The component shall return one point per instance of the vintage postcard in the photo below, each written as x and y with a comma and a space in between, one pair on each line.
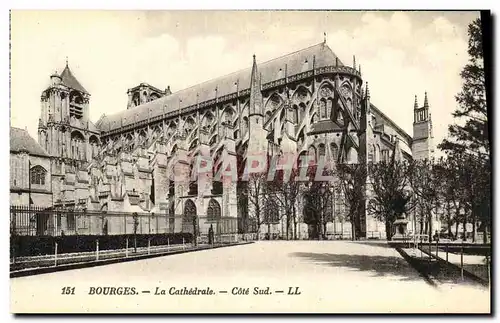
250, 161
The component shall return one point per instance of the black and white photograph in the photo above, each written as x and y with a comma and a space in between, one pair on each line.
250, 161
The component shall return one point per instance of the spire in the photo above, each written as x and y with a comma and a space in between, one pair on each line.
66, 61
426, 102
367, 91
324, 38
70, 80
255, 90
359, 69
354, 61
415, 105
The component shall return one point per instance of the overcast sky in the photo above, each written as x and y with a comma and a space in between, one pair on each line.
402, 54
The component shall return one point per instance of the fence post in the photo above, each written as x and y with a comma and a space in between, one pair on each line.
97, 249
446, 253
55, 254
168, 243
437, 245
149, 245
183, 246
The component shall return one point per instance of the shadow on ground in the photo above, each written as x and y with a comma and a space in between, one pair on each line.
377, 265
380, 243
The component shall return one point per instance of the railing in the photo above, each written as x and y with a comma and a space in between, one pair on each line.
37, 231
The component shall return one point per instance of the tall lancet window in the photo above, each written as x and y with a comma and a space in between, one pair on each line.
322, 109
334, 151
321, 152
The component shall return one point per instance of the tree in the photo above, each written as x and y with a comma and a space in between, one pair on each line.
473, 135
391, 199
352, 180
426, 184
319, 201
469, 142
285, 192
474, 176
254, 194
449, 193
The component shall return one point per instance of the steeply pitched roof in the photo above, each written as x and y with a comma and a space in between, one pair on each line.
68, 79
294, 63
20, 141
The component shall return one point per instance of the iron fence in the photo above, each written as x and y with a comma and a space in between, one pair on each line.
39, 221
36, 231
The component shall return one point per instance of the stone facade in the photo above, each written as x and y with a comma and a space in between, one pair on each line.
141, 159
30, 171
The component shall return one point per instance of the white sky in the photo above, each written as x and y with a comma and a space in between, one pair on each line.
402, 54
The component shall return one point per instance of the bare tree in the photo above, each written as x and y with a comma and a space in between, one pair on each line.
285, 191
255, 193
392, 197
352, 180
426, 184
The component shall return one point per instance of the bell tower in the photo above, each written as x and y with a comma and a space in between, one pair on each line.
422, 145
64, 128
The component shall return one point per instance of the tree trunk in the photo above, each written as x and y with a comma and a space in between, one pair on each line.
474, 230
421, 220
294, 223
430, 224
388, 233
456, 228
448, 221
269, 230
257, 215
287, 226
485, 234
464, 223
324, 230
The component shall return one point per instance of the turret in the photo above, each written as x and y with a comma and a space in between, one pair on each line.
55, 79
256, 100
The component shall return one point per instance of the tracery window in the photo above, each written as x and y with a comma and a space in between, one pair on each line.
213, 211
37, 175
323, 109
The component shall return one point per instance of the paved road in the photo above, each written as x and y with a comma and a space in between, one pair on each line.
332, 276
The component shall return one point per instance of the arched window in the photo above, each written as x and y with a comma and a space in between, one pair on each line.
244, 125
321, 151
329, 106
315, 118
213, 211
189, 215
322, 109
296, 116
312, 155
38, 174
302, 111
335, 151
